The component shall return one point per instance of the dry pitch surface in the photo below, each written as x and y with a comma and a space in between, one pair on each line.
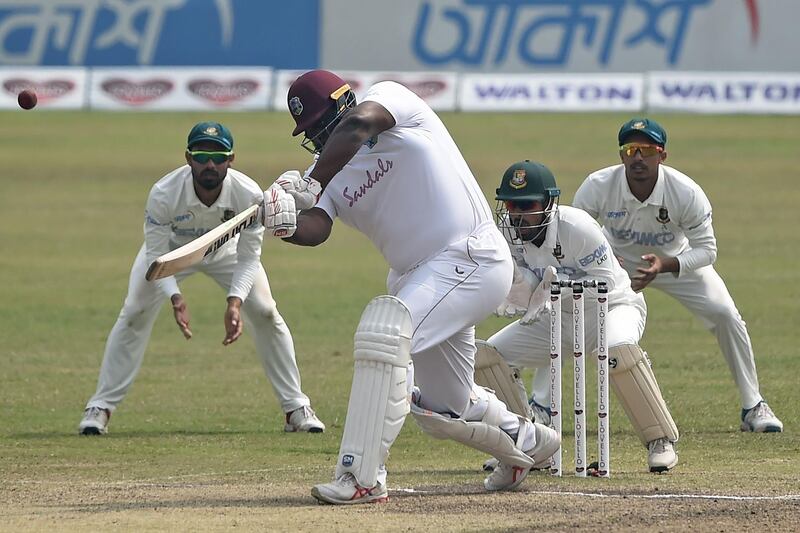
246, 501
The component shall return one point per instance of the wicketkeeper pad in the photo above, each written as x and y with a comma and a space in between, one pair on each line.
484, 435
636, 388
492, 371
379, 395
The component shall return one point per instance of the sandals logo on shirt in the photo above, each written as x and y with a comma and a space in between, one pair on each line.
372, 180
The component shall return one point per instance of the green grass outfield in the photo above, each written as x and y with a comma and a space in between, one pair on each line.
198, 443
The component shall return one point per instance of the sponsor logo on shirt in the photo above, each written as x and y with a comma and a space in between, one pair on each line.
617, 214
599, 255
184, 217
642, 238
372, 179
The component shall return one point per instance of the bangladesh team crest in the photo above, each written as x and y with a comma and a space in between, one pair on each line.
663, 215
519, 180
295, 106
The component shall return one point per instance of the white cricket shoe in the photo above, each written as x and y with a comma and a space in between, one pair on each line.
507, 477
303, 419
94, 422
761, 419
347, 491
661, 455
490, 464
541, 414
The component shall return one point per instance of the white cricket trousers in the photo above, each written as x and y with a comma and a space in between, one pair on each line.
529, 346
447, 295
128, 339
703, 292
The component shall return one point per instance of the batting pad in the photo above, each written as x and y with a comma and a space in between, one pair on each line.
492, 372
379, 394
636, 388
484, 435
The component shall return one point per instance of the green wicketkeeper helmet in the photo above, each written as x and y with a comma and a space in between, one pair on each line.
522, 184
528, 180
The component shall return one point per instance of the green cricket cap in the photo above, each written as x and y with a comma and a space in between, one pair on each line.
211, 131
648, 126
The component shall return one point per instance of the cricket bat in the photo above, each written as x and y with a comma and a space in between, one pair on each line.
195, 251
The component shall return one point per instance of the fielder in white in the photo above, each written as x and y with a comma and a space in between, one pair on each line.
181, 206
549, 241
658, 222
390, 169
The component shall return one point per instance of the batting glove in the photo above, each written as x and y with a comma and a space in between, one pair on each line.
278, 213
304, 189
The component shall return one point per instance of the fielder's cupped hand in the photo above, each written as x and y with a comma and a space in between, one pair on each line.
646, 274
278, 213
181, 312
233, 321
304, 189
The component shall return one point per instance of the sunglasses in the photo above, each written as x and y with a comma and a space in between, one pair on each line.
647, 150
217, 157
521, 205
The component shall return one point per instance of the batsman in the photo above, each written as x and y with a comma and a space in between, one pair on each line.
389, 168
549, 242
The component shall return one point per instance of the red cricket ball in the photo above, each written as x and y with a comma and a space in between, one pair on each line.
27, 99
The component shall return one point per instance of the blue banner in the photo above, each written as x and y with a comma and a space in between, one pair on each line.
160, 32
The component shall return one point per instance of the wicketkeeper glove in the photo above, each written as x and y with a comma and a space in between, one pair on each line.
516, 302
540, 299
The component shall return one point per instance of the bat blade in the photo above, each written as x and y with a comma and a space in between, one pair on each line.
193, 252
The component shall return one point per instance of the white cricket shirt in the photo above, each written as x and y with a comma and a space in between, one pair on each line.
675, 221
174, 216
576, 246
411, 192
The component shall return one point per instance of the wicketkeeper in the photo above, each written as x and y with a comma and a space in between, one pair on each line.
549, 242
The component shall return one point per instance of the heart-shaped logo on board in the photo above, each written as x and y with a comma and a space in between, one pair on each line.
45, 90
223, 92
136, 93
425, 88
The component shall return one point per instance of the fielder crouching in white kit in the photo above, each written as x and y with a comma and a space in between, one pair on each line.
181, 206
658, 220
390, 169
549, 241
